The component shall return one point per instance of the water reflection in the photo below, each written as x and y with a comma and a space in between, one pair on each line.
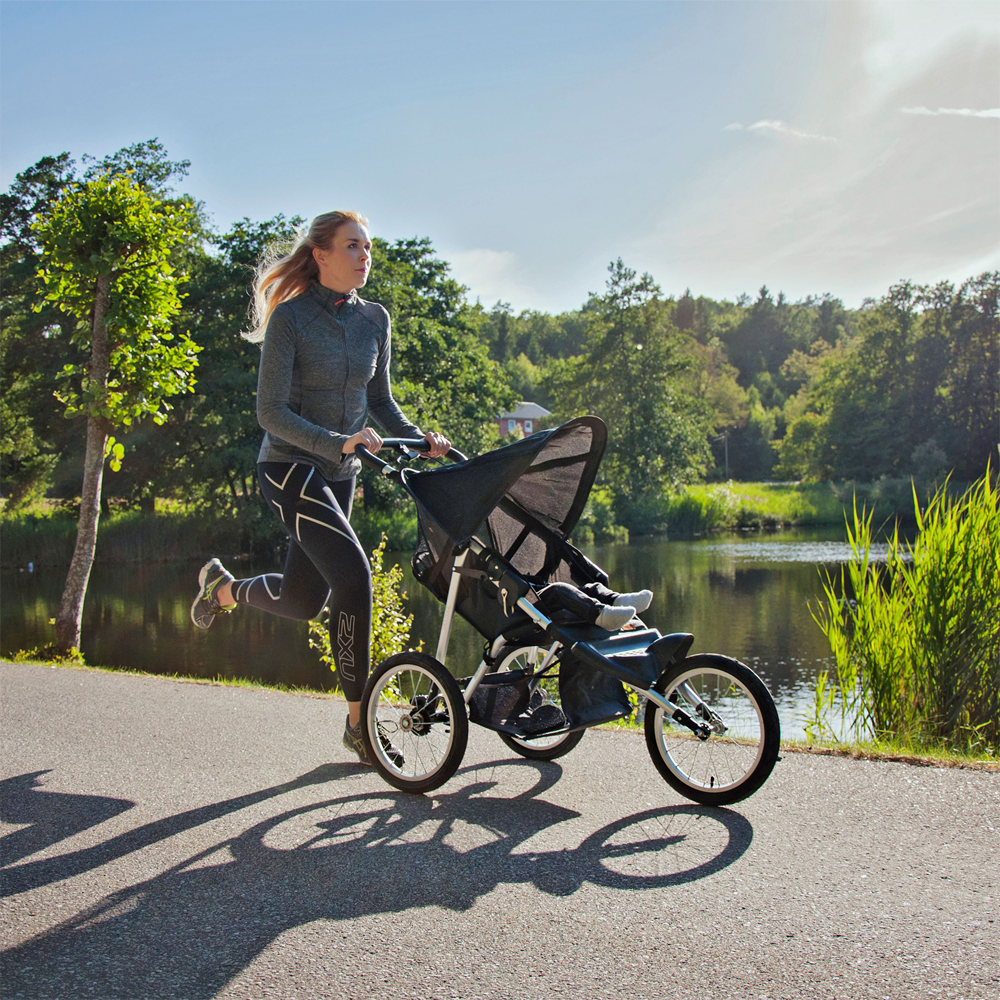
745, 597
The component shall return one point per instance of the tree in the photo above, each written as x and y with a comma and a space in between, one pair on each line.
106, 247
442, 373
969, 385
35, 340
632, 376
206, 452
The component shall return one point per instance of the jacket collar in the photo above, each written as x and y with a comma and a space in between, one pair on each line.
336, 302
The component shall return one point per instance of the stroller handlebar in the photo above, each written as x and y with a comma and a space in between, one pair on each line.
409, 447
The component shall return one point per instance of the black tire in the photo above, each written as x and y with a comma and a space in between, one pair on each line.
422, 715
544, 747
566, 742
729, 765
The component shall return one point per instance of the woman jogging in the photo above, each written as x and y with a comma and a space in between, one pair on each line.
324, 368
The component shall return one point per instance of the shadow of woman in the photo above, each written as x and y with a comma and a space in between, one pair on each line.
47, 817
189, 930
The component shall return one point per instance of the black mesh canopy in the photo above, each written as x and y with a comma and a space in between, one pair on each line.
523, 501
548, 476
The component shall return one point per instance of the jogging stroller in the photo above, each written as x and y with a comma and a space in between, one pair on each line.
493, 530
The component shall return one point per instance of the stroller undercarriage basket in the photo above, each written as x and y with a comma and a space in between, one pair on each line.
510, 703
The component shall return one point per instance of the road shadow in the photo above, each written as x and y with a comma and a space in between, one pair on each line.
188, 931
49, 812
46, 817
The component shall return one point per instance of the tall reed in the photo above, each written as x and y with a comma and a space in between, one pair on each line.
918, 648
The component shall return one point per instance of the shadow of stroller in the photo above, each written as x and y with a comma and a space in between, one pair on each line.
189, 930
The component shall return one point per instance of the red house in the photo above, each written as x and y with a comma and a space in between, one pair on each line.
527, 416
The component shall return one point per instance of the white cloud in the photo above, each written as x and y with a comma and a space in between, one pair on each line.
851, 217
775, 126
492, 276
962, 112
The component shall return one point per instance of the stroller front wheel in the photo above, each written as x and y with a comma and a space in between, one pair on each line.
736, 759
415, 724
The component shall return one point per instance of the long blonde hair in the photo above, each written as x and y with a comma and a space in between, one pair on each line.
288, 270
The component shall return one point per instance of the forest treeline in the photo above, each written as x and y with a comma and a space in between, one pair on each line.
906, 385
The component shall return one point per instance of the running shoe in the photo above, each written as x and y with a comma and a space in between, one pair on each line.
206, 605
353, 740
640, 600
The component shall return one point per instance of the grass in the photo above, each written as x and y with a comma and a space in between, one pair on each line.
917, 647
733, 506
903, 753
25, 656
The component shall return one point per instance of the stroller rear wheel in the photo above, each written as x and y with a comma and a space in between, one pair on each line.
736, 759
541, 747
415, 723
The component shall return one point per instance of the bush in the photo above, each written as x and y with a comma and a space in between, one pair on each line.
597, 523
718, 508
918, 649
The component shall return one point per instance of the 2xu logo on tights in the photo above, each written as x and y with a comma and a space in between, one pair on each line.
345, 645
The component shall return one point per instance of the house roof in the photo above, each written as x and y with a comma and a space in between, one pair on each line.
526, 411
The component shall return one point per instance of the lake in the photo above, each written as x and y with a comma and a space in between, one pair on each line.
746, 596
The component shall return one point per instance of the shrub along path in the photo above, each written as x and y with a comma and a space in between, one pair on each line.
181, 840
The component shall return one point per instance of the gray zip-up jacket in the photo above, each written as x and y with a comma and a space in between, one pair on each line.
324, 367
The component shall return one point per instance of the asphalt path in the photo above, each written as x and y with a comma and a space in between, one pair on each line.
178, 840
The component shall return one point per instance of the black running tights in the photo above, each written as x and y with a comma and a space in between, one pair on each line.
325, 560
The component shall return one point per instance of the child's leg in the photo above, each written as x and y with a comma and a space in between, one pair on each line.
571, 600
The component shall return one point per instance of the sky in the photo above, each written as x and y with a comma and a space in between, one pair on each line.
810, 146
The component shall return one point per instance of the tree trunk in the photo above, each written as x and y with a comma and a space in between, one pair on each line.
70, 617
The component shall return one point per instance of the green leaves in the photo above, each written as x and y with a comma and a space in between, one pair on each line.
632, 375
442, 374
116, 450
110, 228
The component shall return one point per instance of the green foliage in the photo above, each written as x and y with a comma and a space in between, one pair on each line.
536, 336
109, 227
597, 523
34, 339
903, 387
49, 654
632, 377
914, 393
918, 647
442, 374
207, 451
390, 623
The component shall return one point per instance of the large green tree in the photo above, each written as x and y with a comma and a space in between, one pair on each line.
442, 372
35, 338
106, 249
633, 375
917, 390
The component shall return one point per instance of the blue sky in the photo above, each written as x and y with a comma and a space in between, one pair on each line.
812, 146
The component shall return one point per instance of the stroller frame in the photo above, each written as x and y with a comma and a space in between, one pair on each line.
411, 696
632, 680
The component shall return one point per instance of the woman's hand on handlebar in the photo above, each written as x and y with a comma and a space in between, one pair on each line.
367, 437
438, 445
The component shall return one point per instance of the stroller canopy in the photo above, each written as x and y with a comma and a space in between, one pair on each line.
548, 476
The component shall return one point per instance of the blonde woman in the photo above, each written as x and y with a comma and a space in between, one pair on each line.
324, 369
